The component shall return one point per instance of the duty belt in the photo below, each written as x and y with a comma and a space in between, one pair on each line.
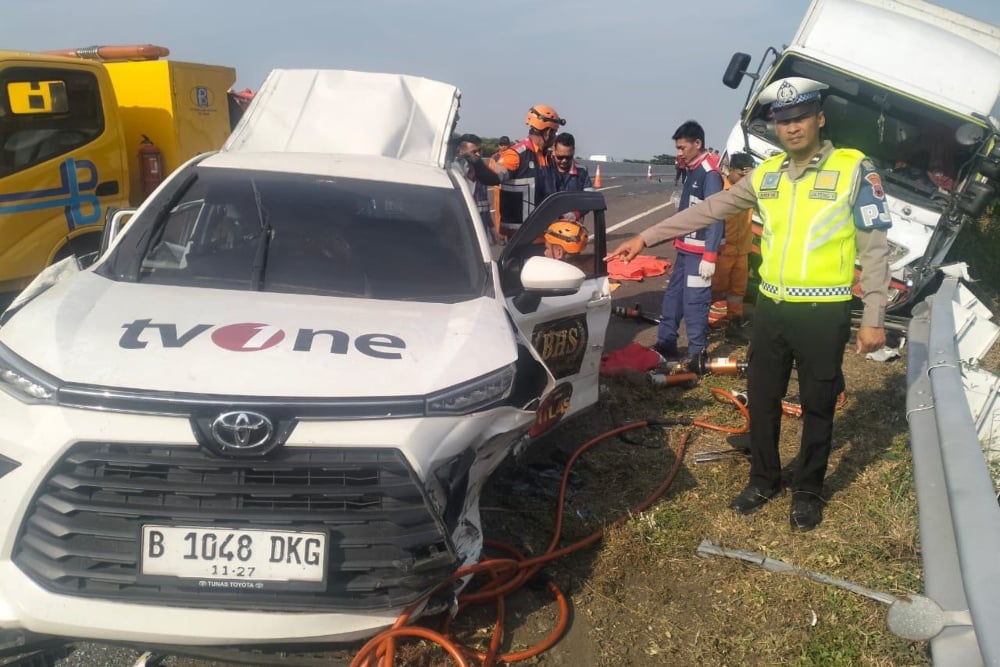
768, 288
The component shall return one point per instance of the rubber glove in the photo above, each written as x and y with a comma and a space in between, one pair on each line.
706, 269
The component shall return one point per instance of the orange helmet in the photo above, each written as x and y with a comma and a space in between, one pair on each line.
543, 117
570, 236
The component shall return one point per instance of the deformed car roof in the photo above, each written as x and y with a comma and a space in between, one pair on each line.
340, 111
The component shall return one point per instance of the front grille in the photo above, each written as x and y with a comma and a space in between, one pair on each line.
385, 547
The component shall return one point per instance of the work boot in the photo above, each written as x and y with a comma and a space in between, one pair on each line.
752, 498
740, 441
806, 512
738, 330
667, 350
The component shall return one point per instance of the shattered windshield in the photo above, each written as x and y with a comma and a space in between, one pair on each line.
303, 234
912, 143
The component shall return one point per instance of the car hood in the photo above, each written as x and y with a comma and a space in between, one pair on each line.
95, 331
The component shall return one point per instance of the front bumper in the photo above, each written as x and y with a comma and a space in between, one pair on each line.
71, 513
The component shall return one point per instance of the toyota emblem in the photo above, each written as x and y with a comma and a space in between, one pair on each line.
244, 431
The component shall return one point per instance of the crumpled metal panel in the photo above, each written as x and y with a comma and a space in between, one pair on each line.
354, 113
974, 332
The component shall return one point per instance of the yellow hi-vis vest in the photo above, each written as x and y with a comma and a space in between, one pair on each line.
807, 247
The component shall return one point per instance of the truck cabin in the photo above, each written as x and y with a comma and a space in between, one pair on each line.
46, 113
918, 148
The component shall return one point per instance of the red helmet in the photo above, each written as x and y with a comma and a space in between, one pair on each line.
543, 117
570, 236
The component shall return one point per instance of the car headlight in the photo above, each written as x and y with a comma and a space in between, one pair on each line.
25, 382
473, 395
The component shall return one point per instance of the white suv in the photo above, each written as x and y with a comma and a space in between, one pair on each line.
266, 413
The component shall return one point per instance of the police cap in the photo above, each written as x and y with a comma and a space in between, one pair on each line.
792, 97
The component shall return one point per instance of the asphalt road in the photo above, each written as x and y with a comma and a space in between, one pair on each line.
634, 202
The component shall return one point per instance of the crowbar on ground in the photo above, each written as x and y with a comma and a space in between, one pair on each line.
707, 548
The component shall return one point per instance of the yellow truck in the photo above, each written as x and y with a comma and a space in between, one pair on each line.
86, 131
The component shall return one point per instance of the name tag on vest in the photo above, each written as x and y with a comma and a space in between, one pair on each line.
823, 194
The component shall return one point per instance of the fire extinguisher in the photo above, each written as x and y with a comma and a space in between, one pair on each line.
150, 166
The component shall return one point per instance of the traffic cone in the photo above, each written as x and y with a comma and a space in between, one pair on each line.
597, 177
649, 173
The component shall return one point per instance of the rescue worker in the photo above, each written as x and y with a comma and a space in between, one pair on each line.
566, 174
503, 143
470, 144
689, 292
566, 240
518, 171
729, 285
565, 237
821, 207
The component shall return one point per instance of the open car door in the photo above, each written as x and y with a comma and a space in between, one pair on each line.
566, 329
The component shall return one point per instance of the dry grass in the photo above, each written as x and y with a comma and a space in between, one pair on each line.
643, 594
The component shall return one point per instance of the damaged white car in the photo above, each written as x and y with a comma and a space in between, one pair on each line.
266, 413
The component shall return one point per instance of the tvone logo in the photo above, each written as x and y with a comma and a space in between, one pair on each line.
247, 337
256, 336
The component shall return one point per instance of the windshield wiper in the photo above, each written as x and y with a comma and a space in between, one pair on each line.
263, 242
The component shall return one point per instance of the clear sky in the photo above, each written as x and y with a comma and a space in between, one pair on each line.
625, 73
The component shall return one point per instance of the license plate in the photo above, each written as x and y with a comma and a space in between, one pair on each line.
229, 558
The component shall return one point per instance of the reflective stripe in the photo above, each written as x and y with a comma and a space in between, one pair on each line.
516, 198
820, 240
800, 292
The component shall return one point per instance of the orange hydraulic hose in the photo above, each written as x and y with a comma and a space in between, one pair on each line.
368, 651
727, 397
380, 650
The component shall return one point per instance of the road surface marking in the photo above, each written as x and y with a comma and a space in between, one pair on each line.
609, 187
636, 217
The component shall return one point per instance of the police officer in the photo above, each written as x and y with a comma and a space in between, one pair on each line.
821, 207
519, 169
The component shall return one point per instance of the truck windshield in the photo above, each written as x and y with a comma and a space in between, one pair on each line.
302, 234
912, 143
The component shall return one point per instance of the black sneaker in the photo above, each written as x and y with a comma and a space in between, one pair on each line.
667, 350
806, 512
740, 441
738, 330
753, 498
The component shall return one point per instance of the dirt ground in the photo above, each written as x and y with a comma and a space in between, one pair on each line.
644, 596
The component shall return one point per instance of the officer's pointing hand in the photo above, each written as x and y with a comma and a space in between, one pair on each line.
627, 250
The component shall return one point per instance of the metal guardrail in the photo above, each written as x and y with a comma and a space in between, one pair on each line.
959, 516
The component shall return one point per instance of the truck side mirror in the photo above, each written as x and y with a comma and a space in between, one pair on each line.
975, 198
737, 68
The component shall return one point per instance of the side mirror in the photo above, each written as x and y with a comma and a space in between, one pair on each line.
114, 225
551, 277
737, 69
969, 134
975, 198
544, 276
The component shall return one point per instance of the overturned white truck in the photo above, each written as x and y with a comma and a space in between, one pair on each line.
911, 85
